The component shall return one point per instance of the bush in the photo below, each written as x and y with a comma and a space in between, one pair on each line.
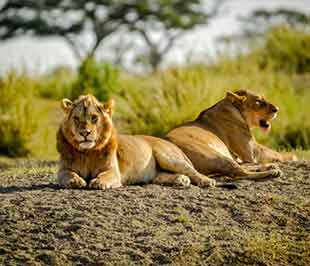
287, 49
155, 104
16, 114
99, 79
58, 84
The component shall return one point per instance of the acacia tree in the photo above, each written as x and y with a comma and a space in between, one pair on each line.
70, 18
259, 21
161, 23
66, 18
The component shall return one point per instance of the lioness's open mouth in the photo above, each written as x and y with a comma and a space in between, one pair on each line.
264, 124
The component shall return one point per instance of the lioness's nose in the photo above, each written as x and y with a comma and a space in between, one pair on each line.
274, 109
85, 132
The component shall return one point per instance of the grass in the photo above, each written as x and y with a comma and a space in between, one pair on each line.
155, 103
278, 249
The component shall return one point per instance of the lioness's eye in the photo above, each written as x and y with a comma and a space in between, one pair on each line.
76, 119
261, 103
94, 119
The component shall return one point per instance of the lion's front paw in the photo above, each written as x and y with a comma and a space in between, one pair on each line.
207, 182
98, 183
75, 182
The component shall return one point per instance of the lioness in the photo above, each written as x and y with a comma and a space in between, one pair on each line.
92, 154
220, 136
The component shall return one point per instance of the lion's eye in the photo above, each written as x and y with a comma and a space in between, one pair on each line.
261, 103
94, 119
76, 119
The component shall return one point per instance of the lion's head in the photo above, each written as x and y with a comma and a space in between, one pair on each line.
256, 110
88, 123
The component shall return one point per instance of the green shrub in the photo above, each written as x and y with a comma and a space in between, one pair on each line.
99, 79
16, 114
155, 104
287, 49
58, 84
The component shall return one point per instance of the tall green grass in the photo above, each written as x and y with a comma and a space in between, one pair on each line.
17, 119
155, 103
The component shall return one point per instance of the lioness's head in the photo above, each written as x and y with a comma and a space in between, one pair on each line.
256, 110
88, 123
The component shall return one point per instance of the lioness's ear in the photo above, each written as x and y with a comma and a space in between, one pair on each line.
235, 98
109, 107
66, 105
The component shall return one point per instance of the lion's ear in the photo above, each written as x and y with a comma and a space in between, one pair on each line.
66, 105
235, 98
109, 107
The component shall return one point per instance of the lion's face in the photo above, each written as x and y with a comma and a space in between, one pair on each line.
257, 111
88, 123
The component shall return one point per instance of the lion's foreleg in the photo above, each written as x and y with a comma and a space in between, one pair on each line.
70, 179
265, 154
105, 180
259, 167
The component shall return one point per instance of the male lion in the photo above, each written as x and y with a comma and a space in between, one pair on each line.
221, 136
92, 154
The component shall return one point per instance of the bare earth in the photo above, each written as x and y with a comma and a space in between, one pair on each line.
263, 223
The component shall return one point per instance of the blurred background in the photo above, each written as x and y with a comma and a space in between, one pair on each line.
162, 61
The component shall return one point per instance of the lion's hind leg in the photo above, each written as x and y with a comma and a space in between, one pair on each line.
172, 159
227, 167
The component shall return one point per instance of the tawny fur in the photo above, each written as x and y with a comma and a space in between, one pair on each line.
93, 155
221, 136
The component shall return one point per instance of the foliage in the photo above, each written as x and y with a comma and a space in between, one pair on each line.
287, 49
271, 18
99, 79
170, 20
17, 120
155, 103
70, 19
58, 84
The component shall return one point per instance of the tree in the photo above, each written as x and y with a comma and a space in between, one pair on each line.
66, 18
70, 18
261, 20
162, 23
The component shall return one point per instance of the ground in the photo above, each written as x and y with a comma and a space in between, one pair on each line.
257, 223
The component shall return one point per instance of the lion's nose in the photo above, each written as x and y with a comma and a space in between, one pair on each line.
274, 109
85, 132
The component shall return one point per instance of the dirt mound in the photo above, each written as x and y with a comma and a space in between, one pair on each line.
262, 223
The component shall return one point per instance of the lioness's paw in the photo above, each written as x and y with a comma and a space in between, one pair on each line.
182, 181
276, 173
207, 182
269, 166
75, 182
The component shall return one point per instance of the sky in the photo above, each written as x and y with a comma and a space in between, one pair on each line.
38, 55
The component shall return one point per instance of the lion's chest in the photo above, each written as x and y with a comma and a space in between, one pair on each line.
89, 166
